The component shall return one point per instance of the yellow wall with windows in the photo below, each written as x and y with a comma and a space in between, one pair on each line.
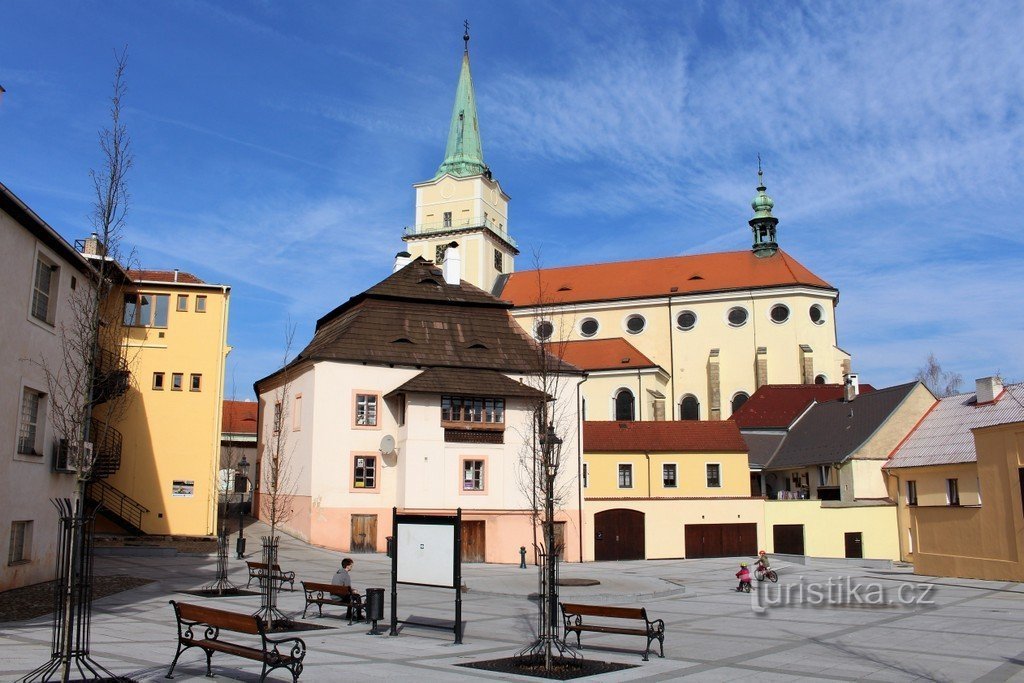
171, 435
691, 473
825, 526
602, 387
686, 353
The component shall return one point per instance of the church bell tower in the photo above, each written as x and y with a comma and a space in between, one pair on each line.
463, 203
763, 223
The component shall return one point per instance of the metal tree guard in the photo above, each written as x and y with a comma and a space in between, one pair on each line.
72, 601
268, 611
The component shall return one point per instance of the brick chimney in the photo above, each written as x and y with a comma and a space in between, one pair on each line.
93, 246
452, 264
851, 386
987, 389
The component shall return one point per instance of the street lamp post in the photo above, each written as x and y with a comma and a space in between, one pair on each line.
551, 447
243, 471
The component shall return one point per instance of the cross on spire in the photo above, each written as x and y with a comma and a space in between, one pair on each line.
465, 36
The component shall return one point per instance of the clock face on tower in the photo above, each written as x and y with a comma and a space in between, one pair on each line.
447, 189
494, 196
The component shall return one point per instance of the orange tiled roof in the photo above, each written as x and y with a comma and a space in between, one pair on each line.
663, 437
602, 354
777, 405
657, 277
165, 276
239, 417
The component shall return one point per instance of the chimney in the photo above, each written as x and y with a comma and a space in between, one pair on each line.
851, 386
452, 264
402, 259
987, 389
175, 274
92, 246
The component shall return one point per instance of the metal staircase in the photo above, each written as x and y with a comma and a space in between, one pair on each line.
106, 448
116, 505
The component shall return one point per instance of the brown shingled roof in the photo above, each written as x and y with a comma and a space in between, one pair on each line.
467, 381
675, 275
239, 417
777, 405
603, 354
663, 437
165, 276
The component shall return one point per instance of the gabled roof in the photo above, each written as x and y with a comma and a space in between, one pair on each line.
602, 354
413, 318
178, 276
944, 435
658, 277
239, 417
12, 205
762, 446
831, 432
463, 381
662, 437
775, 406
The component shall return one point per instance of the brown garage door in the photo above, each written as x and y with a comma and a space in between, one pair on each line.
720, 540
789, 538
619, 535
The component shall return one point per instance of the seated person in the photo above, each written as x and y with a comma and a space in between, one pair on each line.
342, 578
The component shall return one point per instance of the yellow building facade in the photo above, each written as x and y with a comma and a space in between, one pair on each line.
176, 347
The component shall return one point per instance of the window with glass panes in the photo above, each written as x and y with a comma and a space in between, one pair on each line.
364, 472
28, 426
146, 310
473, 410
366, 410
625, 476
668, 476
42, 288
714, 472
473, 475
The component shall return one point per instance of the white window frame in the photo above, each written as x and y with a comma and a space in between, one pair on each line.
38, 427
43, 259
707, 479
618, 475
363, 421
479, 473
631, 316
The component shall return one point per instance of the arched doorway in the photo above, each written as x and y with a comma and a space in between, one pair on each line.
619, 535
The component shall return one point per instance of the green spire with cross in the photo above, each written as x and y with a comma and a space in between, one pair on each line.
464, 155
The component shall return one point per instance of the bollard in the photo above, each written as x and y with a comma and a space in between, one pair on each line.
522, 557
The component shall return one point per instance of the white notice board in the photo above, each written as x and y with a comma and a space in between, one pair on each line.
426, 554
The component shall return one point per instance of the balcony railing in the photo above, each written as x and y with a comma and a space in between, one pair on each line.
461, 224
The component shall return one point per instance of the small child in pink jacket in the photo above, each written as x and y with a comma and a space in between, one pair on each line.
744, 576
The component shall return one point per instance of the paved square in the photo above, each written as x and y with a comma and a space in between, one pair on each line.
972, 631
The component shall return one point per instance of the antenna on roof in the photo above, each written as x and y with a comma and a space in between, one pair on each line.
465, 36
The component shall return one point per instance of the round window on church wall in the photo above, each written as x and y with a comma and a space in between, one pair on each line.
738, 316
817, 314
635, 324
780, 313
544, 330
686, 320
589, 327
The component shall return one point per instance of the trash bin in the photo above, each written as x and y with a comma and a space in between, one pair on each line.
374, 608
391, 546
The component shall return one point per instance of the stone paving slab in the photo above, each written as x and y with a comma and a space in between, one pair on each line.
973, 631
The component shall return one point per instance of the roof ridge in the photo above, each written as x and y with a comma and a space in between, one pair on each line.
625, 261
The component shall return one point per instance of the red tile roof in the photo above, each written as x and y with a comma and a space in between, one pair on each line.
675, 275
663, 437
777, 405
602, 354
165, 276
239, 417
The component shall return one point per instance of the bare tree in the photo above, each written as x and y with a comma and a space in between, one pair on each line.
278, 476
88, 387
940, 382
545, 474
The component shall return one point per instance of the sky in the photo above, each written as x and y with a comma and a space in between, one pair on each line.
276, 144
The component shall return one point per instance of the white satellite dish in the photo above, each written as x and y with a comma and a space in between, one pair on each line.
387, 445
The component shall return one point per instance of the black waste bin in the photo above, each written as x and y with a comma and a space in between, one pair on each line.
374, 608
391, 546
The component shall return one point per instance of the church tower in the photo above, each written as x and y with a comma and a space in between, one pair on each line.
463, 203
763, 223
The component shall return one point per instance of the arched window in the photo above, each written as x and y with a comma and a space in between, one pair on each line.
821, 379
689, 408
738, 400
624, 405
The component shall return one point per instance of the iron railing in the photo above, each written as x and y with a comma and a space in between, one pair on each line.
115, 502
461, 224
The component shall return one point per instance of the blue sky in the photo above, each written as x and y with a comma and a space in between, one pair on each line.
276, 144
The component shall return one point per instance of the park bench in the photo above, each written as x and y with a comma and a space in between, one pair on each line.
259, 571
573, 616
321, 594
202, 627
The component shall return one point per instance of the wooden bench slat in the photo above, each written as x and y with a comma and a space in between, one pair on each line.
573, 614
232, 621
611, 629
603, 611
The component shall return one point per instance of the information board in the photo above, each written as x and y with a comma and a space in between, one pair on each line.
426, 554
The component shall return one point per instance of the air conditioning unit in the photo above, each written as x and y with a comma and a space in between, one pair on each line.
65, 455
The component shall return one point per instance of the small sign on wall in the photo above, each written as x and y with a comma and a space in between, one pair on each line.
181, 488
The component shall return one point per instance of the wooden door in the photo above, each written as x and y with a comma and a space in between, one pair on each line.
364, 534
854, 545
474, 540
788, 538
560, 539
720, 540
619, 535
